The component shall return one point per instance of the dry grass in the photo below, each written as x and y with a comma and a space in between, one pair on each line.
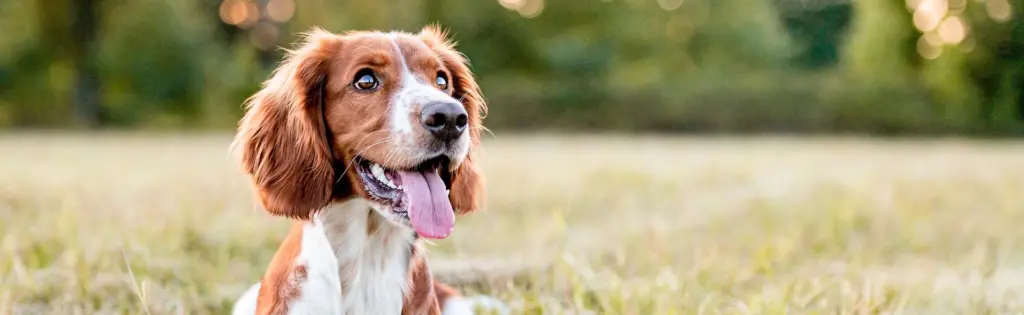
623, 226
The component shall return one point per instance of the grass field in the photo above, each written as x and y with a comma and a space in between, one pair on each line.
158, 224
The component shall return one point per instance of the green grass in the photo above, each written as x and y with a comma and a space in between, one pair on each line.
618, 225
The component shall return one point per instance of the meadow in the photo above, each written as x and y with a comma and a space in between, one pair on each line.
166, 224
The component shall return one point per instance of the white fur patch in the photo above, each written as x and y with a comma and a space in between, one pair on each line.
472, 303
246, 304
378, 282
456, 306
401, 104
320, 293
410, 96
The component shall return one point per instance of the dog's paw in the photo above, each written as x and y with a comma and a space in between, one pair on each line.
469, 304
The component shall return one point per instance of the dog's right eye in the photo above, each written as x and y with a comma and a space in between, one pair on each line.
365, 80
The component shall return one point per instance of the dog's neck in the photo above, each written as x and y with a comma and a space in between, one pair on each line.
372, 256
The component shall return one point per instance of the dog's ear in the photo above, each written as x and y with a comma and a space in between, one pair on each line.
282, 137
468, 190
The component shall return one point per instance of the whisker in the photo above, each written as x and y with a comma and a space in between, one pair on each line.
367, 136
349, 166
387, 155
388, 112
393, 153
488, 130
463, 99
403, 155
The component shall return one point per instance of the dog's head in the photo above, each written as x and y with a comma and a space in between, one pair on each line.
389, 117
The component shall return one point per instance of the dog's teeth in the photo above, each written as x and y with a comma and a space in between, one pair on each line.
447, 191
378, 172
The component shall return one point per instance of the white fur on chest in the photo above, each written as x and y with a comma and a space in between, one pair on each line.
319, 292
348, 270
372, 268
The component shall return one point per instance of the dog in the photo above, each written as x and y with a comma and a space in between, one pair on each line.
366, 140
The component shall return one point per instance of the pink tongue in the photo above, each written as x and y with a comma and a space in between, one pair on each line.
429, 209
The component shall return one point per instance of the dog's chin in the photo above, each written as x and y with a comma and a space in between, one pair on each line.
390, 214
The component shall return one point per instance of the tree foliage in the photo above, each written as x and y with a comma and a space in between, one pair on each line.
669, 65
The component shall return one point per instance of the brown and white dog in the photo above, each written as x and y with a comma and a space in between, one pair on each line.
366, 140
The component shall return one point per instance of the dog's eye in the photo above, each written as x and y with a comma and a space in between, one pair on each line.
365, 80
441, 81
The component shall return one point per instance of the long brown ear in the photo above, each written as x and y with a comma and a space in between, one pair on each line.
468, 189
282, 137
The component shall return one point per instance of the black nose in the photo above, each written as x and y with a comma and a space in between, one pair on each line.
446, 120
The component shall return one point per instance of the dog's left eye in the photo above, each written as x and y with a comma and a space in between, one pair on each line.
441, 81
365, 80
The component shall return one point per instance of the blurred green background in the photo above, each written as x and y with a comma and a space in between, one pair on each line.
866, 66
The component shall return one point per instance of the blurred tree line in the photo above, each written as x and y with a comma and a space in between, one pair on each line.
880, 66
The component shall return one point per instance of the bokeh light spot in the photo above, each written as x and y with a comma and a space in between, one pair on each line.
925, 20
252, 14
912, 4
233, 12
932, 38
264, 36
999, 10
929, 13
952, 30
281, 10
531, 8
669, 5
957, 5
927, 50
511, 4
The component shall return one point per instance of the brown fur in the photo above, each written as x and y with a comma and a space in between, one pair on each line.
421, 298
444, 292
279, 284
284, 148
425, 295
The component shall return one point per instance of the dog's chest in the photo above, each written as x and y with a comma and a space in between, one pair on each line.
377, 283
372, 267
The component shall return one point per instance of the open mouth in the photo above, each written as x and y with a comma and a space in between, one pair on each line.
418, 195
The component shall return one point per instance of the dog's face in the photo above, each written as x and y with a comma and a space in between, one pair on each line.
389, 117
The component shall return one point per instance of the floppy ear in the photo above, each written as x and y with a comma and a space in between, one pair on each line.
468, 190
282, 137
